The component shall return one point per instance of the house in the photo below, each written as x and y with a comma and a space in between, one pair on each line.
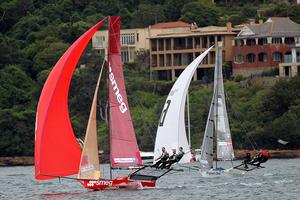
262, 46
173, 45
132, 41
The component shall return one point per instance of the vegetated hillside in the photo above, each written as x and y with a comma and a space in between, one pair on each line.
35, 33
261, 110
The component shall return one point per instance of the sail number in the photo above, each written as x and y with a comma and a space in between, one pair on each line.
164, 113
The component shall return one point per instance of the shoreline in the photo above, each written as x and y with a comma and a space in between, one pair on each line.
239, 154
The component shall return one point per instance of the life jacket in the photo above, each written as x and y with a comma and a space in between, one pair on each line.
266, 154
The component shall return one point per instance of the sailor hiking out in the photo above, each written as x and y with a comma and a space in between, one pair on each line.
261, 157
175, 157
165, 161
162, 160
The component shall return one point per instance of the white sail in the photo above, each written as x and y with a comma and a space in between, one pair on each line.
206, 158
224, 142
217, 121
171, 132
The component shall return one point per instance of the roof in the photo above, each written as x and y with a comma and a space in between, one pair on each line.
171, 25
273, 27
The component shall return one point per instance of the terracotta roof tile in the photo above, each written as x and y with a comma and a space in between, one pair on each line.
171, 25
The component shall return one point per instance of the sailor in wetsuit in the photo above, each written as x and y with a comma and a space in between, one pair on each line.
247, 160
261, 157
176, 158
171, 159
162, 159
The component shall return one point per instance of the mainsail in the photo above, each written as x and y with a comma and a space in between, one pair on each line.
171, 132
217, 121
224, 142
89, 162
57, 152
124, 150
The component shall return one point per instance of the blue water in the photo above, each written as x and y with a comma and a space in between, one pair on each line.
279, 180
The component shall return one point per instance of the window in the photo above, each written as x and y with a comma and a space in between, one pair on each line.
99, 41
153, 45
251, 58
250, 42
276, 41
137, 37
289, 40
277, 56
154, 60
125, 56
127, 38
262, 57
262, 41
238, 59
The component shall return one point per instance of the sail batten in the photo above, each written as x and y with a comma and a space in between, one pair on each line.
171, 132
124, 150
57, 152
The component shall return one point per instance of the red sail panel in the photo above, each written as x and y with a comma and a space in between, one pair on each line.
124, 150
57, 152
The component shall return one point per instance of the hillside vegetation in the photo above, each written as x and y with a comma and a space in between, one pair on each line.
35, 33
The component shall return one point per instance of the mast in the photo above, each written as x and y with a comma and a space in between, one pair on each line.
188, 119
216, 106
107, 92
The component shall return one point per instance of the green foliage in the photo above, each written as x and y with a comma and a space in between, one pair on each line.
17, 132
203, 13
36, 33
15, 87
271, 72
47, 58
147, 14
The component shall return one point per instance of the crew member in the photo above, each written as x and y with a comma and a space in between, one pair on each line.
162, 159
172, 159
247, 160
261, 157
176, 159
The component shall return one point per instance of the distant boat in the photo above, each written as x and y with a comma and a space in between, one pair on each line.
171, 132
147, 157
217, 132
57, 152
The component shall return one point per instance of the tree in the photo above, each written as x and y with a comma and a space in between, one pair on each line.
146, 15
204, 14
15, 87
48, 57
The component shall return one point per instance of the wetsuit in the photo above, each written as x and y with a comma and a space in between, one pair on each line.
172, 159
162, 159
262, 157
177, 158
247, 160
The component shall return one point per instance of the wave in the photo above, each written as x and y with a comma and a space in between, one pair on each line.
251, 184
283, 181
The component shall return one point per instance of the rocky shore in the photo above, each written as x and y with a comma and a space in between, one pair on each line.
239, 154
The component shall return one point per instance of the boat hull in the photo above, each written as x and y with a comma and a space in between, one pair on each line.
117, 183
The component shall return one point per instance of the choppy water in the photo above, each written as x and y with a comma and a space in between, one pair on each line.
279, 180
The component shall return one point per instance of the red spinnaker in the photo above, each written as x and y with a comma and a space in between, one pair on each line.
124, 150
57, 152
